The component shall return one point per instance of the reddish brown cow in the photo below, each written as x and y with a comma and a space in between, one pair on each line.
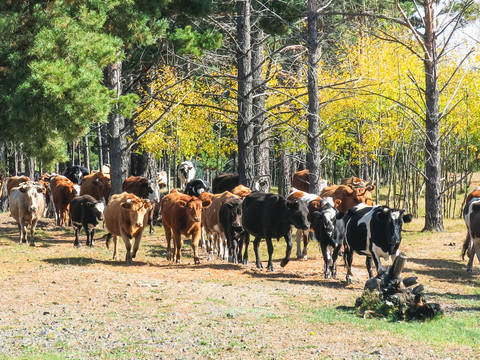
355, 183
14, 181
97, 185
241, 190
63, 191
181, 215
126, 215
301, 181
349, 197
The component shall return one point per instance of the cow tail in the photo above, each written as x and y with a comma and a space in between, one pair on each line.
466, 245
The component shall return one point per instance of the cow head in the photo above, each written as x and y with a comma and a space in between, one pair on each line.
235, 208
391, 221
298, 213
103, 185
186, 172
34, 198
241, 190
97, 209
363, 195
162, 179
137, 208
324, 223
194, 207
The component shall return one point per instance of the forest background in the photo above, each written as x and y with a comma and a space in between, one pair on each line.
262, 88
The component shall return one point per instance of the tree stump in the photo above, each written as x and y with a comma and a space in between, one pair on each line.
388, 292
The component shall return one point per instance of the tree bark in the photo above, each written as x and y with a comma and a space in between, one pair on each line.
433, 197
118, 160
284, 173
313, 155
86, 152
246, 158
261, 144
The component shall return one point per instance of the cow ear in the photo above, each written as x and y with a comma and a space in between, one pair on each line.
127, 204
338, 202
370, 187
147, 204
39, 190
407, 218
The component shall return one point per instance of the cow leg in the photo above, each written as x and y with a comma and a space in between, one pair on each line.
195, 240
33, 227
298, 239
136, 245
23, 231
150, 219
256, 242
92, 234
471, 253
115, 256
326, 260
245, 240
288, 239
270, 253
177, 251
368, 262
168, 235
128, 246
336, 250
348, 255
76, 243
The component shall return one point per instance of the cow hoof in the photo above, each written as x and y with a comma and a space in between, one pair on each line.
245, 262
327, 276
284, 262
152, 231
469, 269
349, 279
270, 268
76, 245
32, 244
260, 266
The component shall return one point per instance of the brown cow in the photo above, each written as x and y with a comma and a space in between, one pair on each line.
355, 183
15, 181
27, 205
471, 245
97, 185
241, 190
301, 181
63, 191
181, 215
314, 203
349, 197
126, 215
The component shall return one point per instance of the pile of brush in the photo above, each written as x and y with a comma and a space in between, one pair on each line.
389, 293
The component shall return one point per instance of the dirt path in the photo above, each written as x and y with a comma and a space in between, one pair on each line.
61, 302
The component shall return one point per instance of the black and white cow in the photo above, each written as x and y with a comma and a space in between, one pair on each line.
471, 213
86, 212
230, 219
374, 231
186, 172
76, 173
267, 216
329, 235
197, 186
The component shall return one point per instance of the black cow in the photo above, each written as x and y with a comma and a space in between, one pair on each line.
197, 186
86, 212
329, 234
374, 231
471, 214
76, 173
230, 218
225, 182
271, 216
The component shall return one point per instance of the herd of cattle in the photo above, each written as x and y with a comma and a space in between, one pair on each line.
223, 218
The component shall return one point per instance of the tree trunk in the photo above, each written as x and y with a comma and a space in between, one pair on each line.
86, 152
261, 144
30, 167
118, 161
100, 146
246, 158
284, 173
313, 155
433, 197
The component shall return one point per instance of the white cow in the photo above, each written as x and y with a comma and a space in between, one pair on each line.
186, 172
27, 205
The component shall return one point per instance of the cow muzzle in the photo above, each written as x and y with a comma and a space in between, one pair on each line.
196, 219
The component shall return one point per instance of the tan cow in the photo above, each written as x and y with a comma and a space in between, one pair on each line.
63, 191
97, 185
27, 205
211, 224
126, 215
181, 215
